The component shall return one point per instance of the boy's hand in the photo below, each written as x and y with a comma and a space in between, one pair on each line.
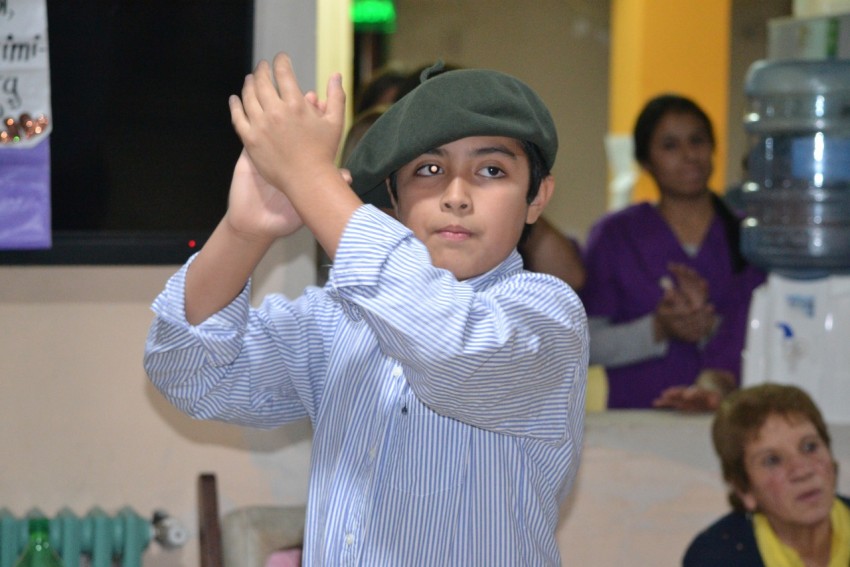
255, 208
292, 138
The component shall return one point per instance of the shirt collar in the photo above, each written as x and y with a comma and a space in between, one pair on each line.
510, 265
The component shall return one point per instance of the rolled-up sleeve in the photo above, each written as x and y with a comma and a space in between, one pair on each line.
210, 370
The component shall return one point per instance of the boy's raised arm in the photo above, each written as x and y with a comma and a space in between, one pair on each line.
286, 173
292, 138
257, 214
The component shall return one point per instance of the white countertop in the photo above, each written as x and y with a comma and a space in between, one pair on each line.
648, 482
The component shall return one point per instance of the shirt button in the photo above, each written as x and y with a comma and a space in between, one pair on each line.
349, 539
372, 452
396, 371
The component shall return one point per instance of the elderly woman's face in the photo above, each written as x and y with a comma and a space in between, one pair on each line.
792, 473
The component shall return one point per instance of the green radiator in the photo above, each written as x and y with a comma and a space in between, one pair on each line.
96, 539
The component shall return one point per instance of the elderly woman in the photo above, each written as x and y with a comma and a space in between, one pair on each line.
774, 449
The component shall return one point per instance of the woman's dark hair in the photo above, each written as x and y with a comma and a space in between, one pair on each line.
732, 227
647, 121
652, 114
382, 89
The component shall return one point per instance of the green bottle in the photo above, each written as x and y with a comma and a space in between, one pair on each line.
39, 553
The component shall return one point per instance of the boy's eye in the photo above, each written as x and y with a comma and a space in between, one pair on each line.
492, 171
429, 169
811, 446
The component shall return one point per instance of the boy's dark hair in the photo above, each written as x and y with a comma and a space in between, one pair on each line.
447, 107
537, 169
654, 111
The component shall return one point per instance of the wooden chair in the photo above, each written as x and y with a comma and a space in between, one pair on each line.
243, 537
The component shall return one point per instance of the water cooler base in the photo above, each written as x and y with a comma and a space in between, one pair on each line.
799, 333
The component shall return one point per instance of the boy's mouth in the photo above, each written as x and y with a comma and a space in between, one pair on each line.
454, 232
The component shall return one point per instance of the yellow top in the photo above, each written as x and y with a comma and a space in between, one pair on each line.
776, 554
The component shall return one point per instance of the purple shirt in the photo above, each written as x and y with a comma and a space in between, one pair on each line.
626, 257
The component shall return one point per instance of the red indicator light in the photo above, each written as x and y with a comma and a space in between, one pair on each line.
192, 243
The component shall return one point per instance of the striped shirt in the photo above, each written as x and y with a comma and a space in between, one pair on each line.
447, 416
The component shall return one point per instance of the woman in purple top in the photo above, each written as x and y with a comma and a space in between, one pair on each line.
667, 289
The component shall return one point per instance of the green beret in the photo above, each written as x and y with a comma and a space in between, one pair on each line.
444, 108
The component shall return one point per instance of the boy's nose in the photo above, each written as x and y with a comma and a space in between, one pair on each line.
456, 197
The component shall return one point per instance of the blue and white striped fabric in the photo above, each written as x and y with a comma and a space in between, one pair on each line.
448, 416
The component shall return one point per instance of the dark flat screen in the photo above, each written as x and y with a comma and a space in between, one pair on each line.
142, 148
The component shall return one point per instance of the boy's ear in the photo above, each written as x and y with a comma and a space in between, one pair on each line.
535, 209
392, 198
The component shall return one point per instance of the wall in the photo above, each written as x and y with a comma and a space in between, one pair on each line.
749, 43
79, 424
563, 54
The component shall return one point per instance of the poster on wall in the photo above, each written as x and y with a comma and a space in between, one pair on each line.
24, 132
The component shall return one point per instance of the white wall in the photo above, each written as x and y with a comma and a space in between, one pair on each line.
80, 426
560, 48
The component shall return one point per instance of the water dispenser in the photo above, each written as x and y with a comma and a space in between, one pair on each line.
797, 197
797, 227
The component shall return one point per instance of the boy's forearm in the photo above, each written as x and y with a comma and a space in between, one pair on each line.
292, 140
324, 202
220, 271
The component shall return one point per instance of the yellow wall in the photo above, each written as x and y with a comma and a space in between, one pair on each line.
334, 46
670, 45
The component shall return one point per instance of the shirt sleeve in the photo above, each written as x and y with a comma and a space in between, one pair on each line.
497, 351
625, 343
614, 342
234, 366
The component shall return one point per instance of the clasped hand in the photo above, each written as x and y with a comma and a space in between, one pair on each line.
705, 394
290, 140
684, 312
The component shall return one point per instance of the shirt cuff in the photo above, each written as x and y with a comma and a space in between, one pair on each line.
170, 305
367, 241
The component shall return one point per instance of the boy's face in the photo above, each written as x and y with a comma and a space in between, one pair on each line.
466, 201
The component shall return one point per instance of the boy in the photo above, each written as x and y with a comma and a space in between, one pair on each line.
445, 385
